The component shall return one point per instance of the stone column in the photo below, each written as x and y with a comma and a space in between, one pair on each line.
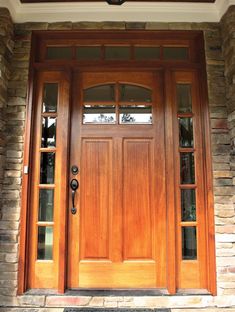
228, 44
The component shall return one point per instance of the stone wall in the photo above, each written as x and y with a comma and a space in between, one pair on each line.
222, 134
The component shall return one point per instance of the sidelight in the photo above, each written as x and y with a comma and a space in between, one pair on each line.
186, 131
47, 168
184, 99
189, 243
188, 205
48, 132
45, 243
187, 168
46, 205
50, 98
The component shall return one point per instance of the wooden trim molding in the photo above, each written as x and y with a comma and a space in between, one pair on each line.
169, 72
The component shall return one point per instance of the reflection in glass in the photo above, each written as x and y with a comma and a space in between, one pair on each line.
50, 97
138, 114
48, 132
46, 205
103, 93
189, 243
47, 168
184, 98
99, 114
147, 53
59, 53
188, 205
131, 93
175, 53
88, 53
186, 132
187, 168
117, 53
45, 243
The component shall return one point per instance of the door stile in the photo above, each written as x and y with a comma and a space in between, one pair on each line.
159, 175
63, 142
75, 156
170, 185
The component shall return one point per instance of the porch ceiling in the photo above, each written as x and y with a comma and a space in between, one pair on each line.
38, 1
131, 11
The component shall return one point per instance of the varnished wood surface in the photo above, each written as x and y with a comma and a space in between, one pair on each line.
121, 169
166, 269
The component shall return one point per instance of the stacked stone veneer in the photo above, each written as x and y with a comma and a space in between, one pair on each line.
13, 81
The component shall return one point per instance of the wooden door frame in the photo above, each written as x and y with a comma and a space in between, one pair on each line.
194, 38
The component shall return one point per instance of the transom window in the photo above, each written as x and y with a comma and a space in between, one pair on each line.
117, 53
117, 103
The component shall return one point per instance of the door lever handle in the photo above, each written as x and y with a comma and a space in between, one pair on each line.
74, 186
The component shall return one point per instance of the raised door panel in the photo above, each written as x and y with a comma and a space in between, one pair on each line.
96, 201
137, 199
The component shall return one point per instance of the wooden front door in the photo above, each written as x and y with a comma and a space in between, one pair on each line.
117, 237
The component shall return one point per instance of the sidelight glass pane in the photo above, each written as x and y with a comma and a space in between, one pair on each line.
45, 243
188, 205
59, 53
88, 53
186, 132
187, 170
184, 98
48, 132
104, 93
46, 205
132, 93
117, 53
147, 53
189, 243
47, 169
175, 53
50, 98
138, 114
97, 114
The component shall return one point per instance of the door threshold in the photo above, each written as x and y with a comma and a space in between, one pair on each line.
117, 292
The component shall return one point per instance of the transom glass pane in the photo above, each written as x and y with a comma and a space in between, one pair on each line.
88, 53
147, 53
184, 98
104, 114
48, 132
138, 114
186, 132
117, 53
47, 169
175, 53
189, 243
56, 53
46, 205
131, 93
50, 98
45, 243
105, 93
188, 205
187, 168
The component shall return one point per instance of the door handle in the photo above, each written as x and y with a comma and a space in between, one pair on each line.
74, 186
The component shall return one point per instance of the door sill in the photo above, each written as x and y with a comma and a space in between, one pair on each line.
117, 292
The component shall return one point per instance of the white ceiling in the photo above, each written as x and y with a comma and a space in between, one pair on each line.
129, 11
